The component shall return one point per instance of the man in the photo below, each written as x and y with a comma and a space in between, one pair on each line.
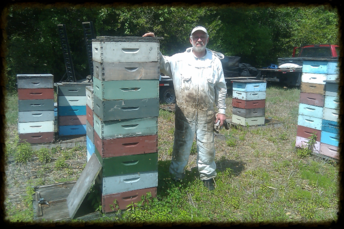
199, 84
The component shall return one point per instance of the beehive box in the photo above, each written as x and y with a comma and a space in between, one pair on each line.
318, 111
125, 49
125, 111
71, 101
36, 108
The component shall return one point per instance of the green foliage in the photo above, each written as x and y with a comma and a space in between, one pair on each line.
242, 137
311, 173
11, 108
23, 153
259, 35
66, 154
170, 151
231, 142
29, 195
165, 114
283, 136
234, 202
171, 131
44, 155
94, 196
307, 210
56, 149
60, 163
307, 151
193, 148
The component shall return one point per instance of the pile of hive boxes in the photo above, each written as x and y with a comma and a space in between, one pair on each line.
319, 107
71, 102
36, 108
248, 102
125, 113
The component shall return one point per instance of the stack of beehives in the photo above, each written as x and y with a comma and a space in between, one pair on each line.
125, 110
330, 127
71, 108
316, 109
36, 108
248, 102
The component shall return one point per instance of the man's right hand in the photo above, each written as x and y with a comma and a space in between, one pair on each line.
150, 34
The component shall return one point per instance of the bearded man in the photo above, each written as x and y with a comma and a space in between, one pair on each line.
199, 85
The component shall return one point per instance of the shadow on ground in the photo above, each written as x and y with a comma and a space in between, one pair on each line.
236, 166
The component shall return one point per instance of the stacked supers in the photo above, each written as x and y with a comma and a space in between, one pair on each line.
125, 110
330, 127
248, 102
318, 111
71, 102
36, 108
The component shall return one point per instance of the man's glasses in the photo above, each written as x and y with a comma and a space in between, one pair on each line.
196, 38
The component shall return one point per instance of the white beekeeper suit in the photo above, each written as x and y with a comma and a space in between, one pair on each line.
199, 85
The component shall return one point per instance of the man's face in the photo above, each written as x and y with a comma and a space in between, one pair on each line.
199, 41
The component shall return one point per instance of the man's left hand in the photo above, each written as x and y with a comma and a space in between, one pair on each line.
221, 117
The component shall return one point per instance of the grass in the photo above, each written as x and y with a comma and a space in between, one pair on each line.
261, 177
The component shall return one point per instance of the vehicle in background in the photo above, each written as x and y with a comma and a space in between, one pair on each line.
166, 90
289, 70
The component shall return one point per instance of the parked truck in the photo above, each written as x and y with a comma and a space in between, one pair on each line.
289, 70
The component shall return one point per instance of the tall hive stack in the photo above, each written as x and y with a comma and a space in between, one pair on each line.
36, 108
89, 122
314, 112
248, 102
71, 102
125, 110
330, 127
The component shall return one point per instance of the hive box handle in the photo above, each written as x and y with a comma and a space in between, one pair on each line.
131, 69
130, 50
130, 163
131, 180
131, 144
129, 198
130, 108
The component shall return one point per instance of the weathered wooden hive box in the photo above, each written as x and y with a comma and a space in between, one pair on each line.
249, 102
36, 108
319, 106
125, 114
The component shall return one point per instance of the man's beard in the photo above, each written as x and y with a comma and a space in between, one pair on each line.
199, 49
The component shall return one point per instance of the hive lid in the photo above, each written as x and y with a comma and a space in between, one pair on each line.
83, 185
249, 81
33, 75
126, 39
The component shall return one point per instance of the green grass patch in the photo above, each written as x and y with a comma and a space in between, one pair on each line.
44, 155
311, 174
166, 115
60, 163
11, 108
23, 153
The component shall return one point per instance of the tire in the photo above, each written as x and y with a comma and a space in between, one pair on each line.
167, 95
294, 81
